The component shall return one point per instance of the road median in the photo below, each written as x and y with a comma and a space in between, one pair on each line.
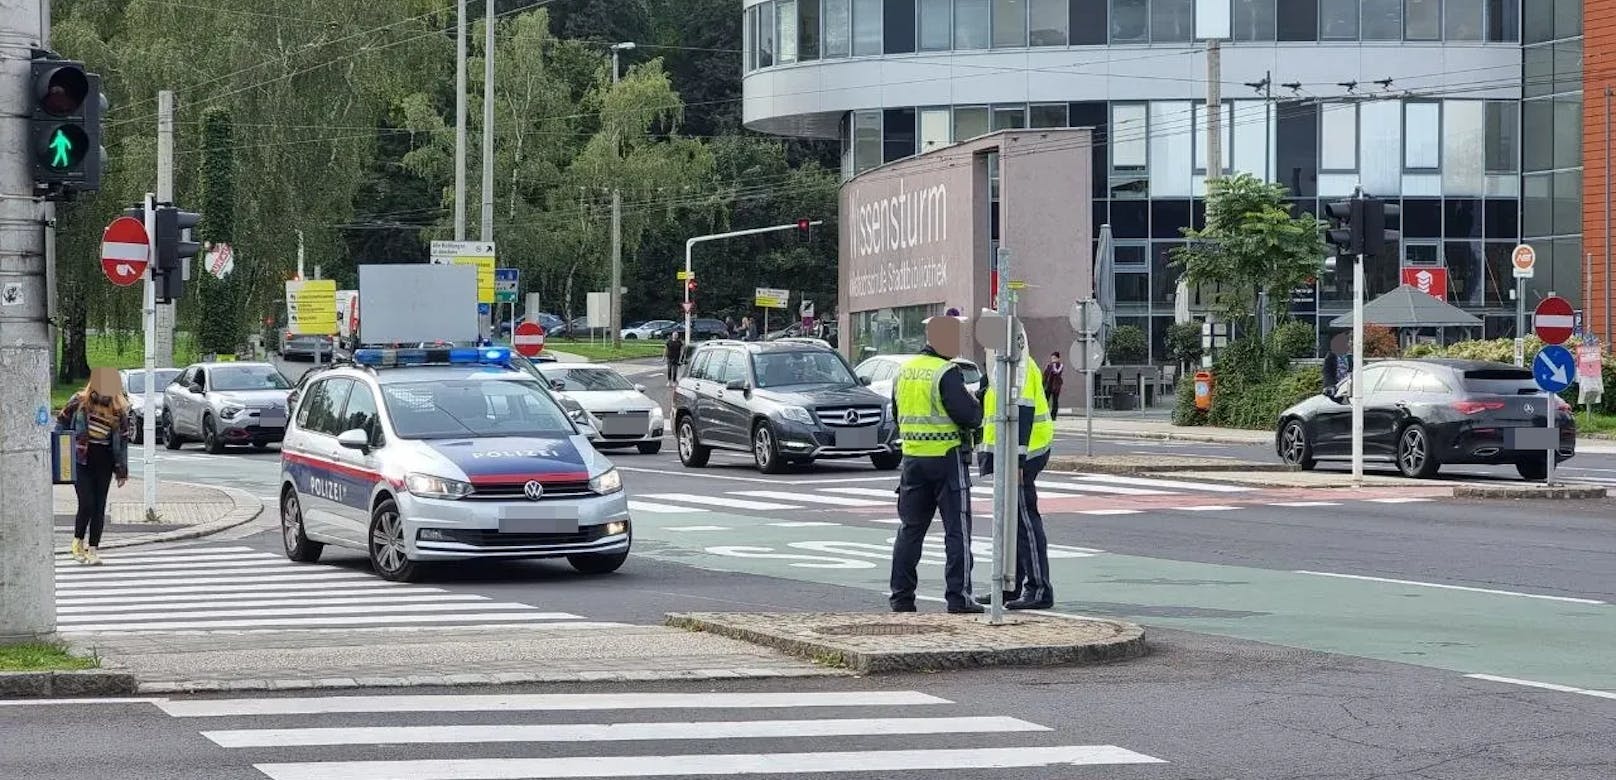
184, 511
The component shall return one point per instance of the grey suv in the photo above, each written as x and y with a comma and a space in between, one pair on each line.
785, 402
221, 404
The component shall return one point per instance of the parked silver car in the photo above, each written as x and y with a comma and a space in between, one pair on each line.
222, 404
621, 411
134, 386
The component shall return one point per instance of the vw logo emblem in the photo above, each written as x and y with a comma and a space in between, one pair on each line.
1528, 409
852, 417
533, 490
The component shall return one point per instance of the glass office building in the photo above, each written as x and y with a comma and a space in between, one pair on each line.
1420, 101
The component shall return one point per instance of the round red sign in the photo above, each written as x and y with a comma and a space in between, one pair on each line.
124, 251
528, 339
1554, 320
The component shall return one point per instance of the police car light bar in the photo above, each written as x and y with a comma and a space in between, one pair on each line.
463, 356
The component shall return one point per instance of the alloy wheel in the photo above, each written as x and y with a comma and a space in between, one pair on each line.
291, 522
1295, 442
686, 440
1412, 454
763, 447
388, 541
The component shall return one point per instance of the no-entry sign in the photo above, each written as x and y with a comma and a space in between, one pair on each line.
1553, 320
125, 251
528, 338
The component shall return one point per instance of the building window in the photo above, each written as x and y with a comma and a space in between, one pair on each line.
1552, 20
1130, 21
1567, 203
1132, 269
1338, 138
1128, 142
838, 28
973, 24
1503, 136
866, 140
1047, 22
970, 122
1009, 117
1172, 20
899, 27
1047, 115
749, 38
785, 16
1338, 20
808, 30
1422, 254
1298, 21
936, 24
1296, 147
1202, 117
1568, 131
766, 35
1422, 20
1463, 20
1382, 20
1253, 20
1422, 136
1009, 24
866, 27
898, 134
1504, 20
1164, 278
934, 128
1092, 27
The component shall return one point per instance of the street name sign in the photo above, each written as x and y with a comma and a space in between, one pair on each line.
1554, 369
125, 251
1554, 320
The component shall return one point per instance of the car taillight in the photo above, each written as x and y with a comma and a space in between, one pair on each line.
1477, 407
1560, 405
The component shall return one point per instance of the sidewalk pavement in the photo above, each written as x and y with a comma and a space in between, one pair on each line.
184, 511
1147, 426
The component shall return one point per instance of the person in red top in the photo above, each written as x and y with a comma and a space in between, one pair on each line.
1054, 373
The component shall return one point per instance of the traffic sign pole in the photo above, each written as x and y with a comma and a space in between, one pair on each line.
1555, 369
148, 313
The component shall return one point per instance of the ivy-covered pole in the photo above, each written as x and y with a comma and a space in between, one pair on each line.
219, 326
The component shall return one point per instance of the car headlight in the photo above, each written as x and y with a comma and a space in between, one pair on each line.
608, 482
428, 486
231, 411
656, 414
797, 414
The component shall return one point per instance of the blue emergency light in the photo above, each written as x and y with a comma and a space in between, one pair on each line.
456, 356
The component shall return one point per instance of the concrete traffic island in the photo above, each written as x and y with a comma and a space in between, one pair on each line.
1529, 490
911, 642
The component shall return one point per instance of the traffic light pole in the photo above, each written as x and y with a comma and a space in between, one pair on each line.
164, 320
1357, 371
27, 586
148, 316
690, 245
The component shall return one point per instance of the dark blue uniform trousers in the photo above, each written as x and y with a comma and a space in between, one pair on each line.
926, 487
1032, 547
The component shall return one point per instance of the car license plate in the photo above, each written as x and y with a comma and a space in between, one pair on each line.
1542, 439
538, 525
623, 425
272, 419
856, 438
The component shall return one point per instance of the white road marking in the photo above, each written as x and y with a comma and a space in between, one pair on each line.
1303, 504
1169, 484
615, 732
205, 603
272, 584
1206, 508
160, 570
802, 524
1543, 685
889, 495
228, 560
317, 608
76, 702
1397, 500
667, 509
696, 528
101, 585
540, 702
354, 620
1443, 586
1116, 490
184, 554
811, 498
1108, 511
720, 501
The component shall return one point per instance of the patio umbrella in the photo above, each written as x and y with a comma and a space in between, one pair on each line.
1181, 302
1105, 283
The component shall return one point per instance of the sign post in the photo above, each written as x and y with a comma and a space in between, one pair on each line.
1524, 261
1554, 369
1087, 318
767, 298
480, 254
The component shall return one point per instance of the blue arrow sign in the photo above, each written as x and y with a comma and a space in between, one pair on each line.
1555, 368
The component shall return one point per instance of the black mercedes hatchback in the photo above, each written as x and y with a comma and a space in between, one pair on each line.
1423, 414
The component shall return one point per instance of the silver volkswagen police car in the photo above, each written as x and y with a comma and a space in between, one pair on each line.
418, 455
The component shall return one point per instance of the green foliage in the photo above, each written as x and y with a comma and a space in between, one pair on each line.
1184, 343
218, 320
1292, 339
1184, 411
1379, 341
1126, 346
1251, 243
1503, 351
1253, 381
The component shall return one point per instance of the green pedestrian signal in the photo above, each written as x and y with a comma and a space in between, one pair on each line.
60, 147
64, 127
64, 148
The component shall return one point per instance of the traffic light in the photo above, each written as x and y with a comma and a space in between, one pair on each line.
805, 230
1344, 219
1358, 226
65, 125
1375, 236
172, 235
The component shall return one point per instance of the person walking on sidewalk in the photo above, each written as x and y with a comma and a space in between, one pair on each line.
99, 419
1035, 435
674, 353
937, 417
1054, 376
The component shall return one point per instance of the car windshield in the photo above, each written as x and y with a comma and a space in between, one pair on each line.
246, 378
801, 367
135, 381
476, 407
1501, 381
575, 380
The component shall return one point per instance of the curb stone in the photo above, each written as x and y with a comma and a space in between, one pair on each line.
91, 682
245, 509
1556, 493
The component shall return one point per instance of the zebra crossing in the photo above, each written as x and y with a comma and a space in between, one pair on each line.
204, 589
633, 734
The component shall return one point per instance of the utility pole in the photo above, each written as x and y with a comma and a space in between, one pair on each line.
617, 217
460, 122
165, 194
485, 322
300, 276
27, 583
1214, 111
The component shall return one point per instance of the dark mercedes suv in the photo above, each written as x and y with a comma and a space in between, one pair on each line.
785, 402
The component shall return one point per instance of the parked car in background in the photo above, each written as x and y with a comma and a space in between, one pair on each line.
1423, 414
222, 404
881, 370
646, 330
134, 386
575, 411
620, 410
701, 329
318, 349
783, 402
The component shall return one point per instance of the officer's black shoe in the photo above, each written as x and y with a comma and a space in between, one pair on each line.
910, 607
1009, 596
968, 608
1025, 604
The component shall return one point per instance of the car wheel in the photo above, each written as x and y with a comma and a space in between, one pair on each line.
171, 440
765, 450
649, 447
211, 442
598, 563
886, 461
296, 541
1294, 448
1416, 457
691, 452
1534, 467
388, 553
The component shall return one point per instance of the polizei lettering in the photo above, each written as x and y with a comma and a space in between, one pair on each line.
329, 490
506, 454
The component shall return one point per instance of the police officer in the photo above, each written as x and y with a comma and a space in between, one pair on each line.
936, 417
1036, 435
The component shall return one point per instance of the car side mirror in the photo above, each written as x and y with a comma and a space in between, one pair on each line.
639, 388
737, 384
558, 385
196, 387
355, 439
864, 380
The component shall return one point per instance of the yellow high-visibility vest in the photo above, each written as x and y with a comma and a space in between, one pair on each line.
1032, 395
923, 421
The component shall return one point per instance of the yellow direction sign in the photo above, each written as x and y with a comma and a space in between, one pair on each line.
770, 298
485, 276
685, 275
311, 307
480, 254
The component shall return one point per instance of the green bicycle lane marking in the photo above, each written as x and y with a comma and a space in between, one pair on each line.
1460, 631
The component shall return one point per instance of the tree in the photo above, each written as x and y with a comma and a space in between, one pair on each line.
219, 316
1251, 244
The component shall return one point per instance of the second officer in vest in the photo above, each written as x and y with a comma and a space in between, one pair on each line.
937, 417
1036, 435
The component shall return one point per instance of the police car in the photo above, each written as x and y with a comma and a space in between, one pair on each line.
423, 455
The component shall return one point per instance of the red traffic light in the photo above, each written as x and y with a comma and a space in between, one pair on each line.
61, 89
803, 226
691, 285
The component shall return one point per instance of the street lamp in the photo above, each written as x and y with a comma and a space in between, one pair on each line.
617, 219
